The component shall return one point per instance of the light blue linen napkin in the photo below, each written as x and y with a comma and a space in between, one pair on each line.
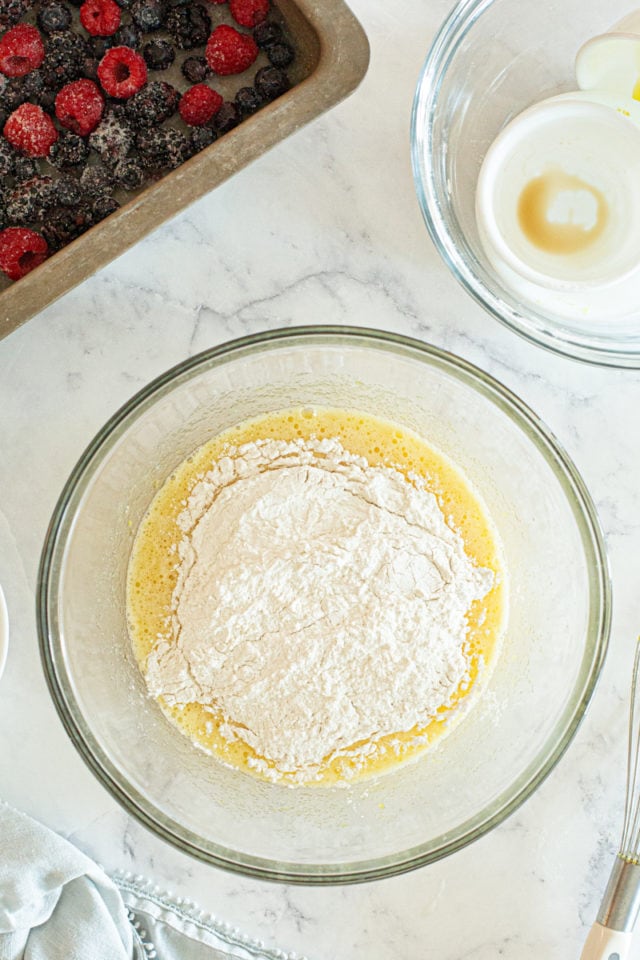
57, 904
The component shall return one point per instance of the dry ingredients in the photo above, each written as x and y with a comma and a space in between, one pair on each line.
320, 603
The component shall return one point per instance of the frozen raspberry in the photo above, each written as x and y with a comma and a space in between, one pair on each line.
31, 130
100, 18
270, 82
189, 26
54, 16
20, 251
21, 51
195, 69
154, 104
249, 13
158, 54
112, 139
229, 51
122, 72
199, 104
68, 152
79, 107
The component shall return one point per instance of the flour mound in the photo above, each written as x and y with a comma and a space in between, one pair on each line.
320, 602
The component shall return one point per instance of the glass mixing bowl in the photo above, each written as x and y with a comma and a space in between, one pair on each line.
490, 60
491, 761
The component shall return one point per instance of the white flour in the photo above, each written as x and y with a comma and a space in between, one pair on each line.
320, 602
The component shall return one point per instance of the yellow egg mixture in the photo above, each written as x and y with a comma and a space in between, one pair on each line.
153, 572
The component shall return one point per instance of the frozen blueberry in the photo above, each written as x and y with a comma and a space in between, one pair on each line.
158, 54
54, 16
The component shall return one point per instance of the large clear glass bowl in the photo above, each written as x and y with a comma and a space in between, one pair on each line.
490, 762
490, 60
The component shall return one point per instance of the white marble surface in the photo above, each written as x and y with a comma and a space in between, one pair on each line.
325, 228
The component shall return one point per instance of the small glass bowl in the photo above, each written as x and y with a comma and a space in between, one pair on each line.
489, 763
490, 60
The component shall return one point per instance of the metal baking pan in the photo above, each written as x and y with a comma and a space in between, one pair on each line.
332, 55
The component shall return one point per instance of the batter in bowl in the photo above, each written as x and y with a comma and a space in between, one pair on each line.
313, 596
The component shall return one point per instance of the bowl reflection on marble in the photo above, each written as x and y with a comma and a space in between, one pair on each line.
489, 763
490, 61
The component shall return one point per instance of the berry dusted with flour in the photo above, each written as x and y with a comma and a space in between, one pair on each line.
154, 104
21, 251
96, 182
195, 69
112, 139
79, 107
271, 82
65, 224
158, 54
129, 173
227, 117
127, 35
69, 152
102, 207
201, 138
21, 51
31, 130
163, 148
229, 51
189, 27
65, 57
24, 168
67, 191
281, 54
199, 104
29, 201
12, 11
149, 14
249, 13
54, 16
7, 158
248, 100
122, 72
267, 33
100, 18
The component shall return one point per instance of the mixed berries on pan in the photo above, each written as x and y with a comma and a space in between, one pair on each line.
99, 98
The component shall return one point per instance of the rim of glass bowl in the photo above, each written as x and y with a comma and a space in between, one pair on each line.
429, 171
53, 654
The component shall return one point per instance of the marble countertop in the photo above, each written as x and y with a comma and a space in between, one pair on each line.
324, 229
